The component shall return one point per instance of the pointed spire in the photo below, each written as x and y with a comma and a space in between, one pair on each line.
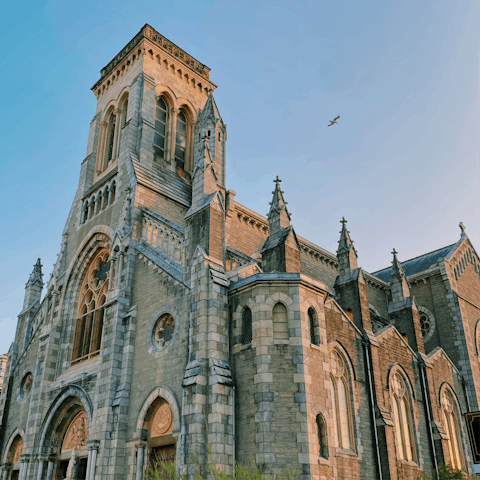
210, 111
278, 216
34, 286
462, 228
346, 253
398, 281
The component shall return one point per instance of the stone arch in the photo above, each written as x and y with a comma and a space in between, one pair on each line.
237, 317
311, 302
168, 94
169, 437
152, 350
65, 398
433, 323
477, 336
335, 344
396, 367
18, 432
109, 109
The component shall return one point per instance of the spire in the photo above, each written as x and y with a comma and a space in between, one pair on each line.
462, 228
398, 282
210, 111
34, 286
278, 216
346, 253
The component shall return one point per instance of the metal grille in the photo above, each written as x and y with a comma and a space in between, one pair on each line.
247, 326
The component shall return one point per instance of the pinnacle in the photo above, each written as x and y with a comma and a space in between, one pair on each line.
278, 207
345, 240
397, 269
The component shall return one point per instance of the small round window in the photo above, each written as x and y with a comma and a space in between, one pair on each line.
26, 385
425, 324
164, 331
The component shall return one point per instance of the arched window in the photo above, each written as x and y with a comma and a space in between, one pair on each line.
280, 322
322, 436
181, 140
112, 193
313, 326
246, 326
452, 428
402, 417
110, 139
341, 401
159, 137
89, 323
425, 323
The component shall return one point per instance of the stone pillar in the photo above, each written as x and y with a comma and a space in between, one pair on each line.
92, 447
51, 466
190, 152
113, 261
41, 463
140, 460
116, 145
24, 458
118, 280
6, 469
173, 130
101, 146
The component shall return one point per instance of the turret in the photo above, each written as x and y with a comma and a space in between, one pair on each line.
346, 253
34, 286
281, 251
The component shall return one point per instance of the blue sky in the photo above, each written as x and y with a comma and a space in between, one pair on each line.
402, 165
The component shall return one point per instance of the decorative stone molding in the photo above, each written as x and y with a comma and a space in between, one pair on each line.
154, 348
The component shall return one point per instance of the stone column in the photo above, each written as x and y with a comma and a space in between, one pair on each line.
116, 146
41, 463
92, 447
172, 133
140, 460
6, 469
101, 146
24, 458
113, 261
51, 466
121, 256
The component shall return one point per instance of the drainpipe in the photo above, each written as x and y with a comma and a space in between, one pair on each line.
368, 365
428, 413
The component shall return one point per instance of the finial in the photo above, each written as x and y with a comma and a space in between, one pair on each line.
462, 228
394, 252
277, 182
343, 222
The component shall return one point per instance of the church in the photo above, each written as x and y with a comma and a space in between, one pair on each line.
178, 325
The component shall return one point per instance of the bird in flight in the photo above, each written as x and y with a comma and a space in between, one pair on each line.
334, 121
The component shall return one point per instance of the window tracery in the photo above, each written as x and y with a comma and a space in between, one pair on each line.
402, 417
90, 313
452, 428
341, 401
164, 331
424, 324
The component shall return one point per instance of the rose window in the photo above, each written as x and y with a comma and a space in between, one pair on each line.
164, 331
425, 324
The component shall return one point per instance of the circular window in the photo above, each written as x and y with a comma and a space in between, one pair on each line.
425, 324
164, 331
26, 385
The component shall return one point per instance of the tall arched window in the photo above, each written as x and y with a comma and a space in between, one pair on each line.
402, 417
110, 139
181, 140
280, 322
322, 436
313, 326
246, 326
159, 137
341, 401
89, 323
452, 428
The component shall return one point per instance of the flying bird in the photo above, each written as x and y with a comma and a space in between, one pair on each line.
332, 122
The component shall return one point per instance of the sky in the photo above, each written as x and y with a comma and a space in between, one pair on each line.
402, 165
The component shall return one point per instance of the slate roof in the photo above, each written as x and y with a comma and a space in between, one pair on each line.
417, 264
163, 181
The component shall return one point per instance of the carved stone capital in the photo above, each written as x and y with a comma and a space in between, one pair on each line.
93, 445
175, 111
25, 457
103, 124
117, 111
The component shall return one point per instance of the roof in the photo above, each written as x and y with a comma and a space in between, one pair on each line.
417, 264
163, 181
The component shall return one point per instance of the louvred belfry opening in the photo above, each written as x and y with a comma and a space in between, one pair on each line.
89, 323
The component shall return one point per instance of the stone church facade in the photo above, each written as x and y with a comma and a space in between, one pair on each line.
180, 325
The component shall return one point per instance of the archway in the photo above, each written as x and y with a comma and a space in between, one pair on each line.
13, 458
161, 445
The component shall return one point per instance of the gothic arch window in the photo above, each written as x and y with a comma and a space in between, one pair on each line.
160, 134
427, 323
313, 326
402, 417
112, 120
246, 326
181, 140
90, 313
452, 428
322, 436
280, 322
341, 399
